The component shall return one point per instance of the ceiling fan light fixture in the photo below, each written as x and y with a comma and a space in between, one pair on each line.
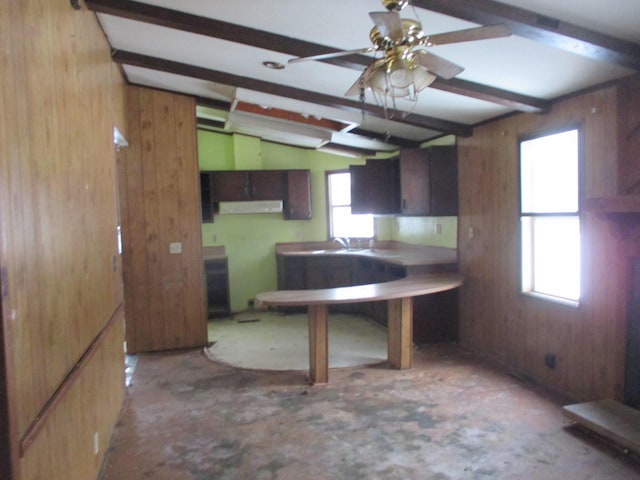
422, 78
378, 80
400, 75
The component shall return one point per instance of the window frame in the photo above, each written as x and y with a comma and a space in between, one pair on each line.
578, 127
329, 206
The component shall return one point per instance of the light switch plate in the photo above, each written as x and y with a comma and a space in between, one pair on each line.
175, 247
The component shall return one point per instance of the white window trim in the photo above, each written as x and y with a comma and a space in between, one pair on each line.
526, 272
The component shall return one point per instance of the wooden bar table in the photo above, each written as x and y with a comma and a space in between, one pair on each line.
399, 296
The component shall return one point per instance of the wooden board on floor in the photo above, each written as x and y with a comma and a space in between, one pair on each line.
609, 418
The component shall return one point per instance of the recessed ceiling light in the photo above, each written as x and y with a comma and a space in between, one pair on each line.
273, 65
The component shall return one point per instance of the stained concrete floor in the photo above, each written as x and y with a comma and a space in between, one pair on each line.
452, 416
275, 341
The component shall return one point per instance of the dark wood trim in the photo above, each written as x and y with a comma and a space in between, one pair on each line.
39, 423
294, 47
5, 430
154, 63
540, 28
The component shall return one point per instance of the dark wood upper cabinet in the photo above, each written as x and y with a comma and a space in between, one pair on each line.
290, 186
267, 185
205, 198
443, 181
230, 186
297, 205
414, 185
238, 185
375, 187
418, 182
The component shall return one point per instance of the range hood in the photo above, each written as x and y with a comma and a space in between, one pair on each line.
259, 206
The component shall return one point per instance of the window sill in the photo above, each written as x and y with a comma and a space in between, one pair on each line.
550, 298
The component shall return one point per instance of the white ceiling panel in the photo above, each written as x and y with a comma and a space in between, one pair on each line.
500, 75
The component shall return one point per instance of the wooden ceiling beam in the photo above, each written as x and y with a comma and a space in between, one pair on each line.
543, 29
296, 48
192, 71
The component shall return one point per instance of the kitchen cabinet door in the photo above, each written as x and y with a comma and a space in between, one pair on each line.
443, 181
292, 273
206, 204
414, 182
375, 187
239, 185
328, 272
298, 203
230, 186
267, 184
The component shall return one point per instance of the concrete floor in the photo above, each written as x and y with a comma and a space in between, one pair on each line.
452, 416
275, 341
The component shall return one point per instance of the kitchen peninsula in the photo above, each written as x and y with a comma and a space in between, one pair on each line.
389, 271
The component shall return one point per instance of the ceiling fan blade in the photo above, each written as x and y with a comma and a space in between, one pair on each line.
340, 53
355, 88
469, 35
389, 24
437, 65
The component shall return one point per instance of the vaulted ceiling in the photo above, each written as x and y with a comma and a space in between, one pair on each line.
220, 52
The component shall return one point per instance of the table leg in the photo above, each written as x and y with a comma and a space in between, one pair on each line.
318, 344
400, 332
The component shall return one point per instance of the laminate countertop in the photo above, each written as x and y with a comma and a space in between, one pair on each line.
411, 286
389, 252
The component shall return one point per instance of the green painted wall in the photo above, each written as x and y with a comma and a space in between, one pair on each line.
250, 239
437, 231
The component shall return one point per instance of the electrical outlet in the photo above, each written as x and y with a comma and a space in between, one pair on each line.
438, 229
96, 443
175, 247
214, 238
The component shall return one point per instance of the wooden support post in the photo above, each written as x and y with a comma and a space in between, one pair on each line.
318, 344
400, 332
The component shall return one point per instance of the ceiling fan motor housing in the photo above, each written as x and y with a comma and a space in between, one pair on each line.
412, 36
394, 5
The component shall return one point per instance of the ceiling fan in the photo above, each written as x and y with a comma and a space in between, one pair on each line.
407, 66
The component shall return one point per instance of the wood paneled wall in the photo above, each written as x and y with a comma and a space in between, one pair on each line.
499, 322
61, 97
63, 446
160, 203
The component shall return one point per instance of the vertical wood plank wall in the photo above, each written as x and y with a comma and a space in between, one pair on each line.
61, 96
496, 320
160, 204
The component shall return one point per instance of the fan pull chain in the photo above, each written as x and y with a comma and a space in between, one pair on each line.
362, 97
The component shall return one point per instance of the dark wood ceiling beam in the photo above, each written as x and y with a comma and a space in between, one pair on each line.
177, 68
393, 140
296, 48
547, 30
232, 32
511, 100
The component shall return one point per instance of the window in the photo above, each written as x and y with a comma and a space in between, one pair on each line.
341, 222
549, 215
